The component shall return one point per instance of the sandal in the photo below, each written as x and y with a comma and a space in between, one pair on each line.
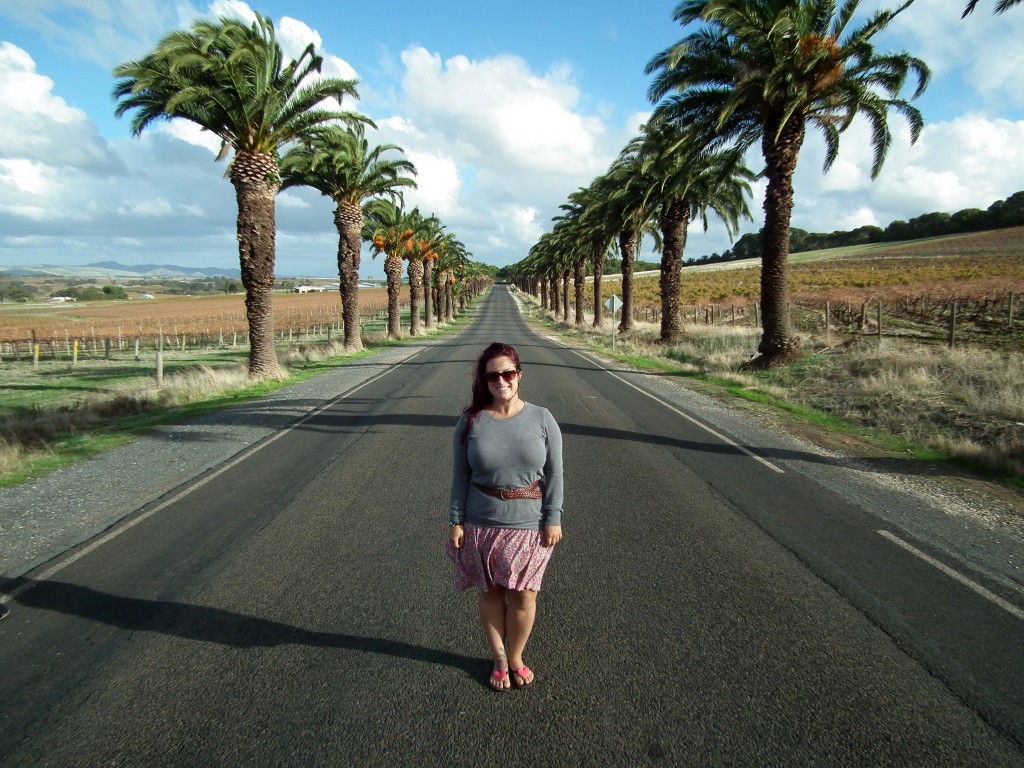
521, 676
499, 680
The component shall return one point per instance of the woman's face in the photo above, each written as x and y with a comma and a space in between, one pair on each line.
501, 390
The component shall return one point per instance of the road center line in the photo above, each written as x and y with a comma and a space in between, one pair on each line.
1007, 606
685, 415
238, 459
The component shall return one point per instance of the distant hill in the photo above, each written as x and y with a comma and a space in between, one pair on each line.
111, 269
163, 270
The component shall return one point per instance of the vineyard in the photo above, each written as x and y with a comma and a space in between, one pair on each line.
98, 327
973, 283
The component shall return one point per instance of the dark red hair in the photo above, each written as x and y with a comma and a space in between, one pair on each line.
481, 394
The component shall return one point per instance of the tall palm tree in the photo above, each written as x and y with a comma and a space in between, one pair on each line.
630, 214
685, 183
390, 231
342, 165
763, 70
231, 79
427, 239
572, 241
448, 248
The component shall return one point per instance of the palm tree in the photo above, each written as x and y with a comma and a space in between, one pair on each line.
232, 80
341, 164
763, 70
424, 251
432, 302
630, 213
389, 229
685, 182
572, 242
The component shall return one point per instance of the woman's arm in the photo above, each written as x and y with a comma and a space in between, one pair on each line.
461, 474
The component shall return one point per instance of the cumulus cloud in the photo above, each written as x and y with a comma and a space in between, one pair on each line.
39, 125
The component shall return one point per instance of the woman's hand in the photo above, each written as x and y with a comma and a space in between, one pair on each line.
456, 536
552, 535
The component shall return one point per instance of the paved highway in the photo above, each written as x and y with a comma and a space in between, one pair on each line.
714, 602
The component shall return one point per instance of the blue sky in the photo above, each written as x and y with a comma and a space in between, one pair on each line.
505, 108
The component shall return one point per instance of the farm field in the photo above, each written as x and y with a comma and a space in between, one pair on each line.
192, 316
915, 282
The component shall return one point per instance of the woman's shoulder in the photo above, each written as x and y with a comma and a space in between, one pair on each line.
541, 413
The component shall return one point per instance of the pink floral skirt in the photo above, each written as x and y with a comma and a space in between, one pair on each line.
508, 557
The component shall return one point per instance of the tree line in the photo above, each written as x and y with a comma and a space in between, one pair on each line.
283, 125
999, 215
747, 73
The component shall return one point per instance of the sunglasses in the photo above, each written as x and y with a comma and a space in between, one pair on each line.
508, 376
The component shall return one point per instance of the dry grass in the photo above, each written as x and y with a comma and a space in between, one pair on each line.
35, 430
966, 403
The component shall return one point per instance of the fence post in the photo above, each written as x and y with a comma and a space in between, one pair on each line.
1009, 322
952, 325
160, 361
879, 317
828, 335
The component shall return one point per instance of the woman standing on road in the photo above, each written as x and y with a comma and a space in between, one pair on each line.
505, 507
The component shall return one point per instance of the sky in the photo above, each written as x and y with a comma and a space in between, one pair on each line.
504, 108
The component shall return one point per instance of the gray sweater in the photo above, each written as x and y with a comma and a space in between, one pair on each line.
507, 453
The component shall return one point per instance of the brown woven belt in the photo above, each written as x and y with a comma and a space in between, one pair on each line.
506, 494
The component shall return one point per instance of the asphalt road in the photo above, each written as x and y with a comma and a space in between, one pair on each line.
714, 602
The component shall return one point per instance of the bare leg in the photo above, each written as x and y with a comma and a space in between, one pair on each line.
519, 618
492, 616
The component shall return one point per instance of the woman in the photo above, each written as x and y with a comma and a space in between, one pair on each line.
505, 507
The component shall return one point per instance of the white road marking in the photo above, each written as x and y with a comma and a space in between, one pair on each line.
995, 599
686, 416
239, 458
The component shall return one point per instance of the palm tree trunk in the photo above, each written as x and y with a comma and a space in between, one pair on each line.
544, 297
578, 282
555, 299
254, 177
778, 344
348, 218
449, 297
674, 223
565, 296
428, 293
393, 272
627, 249
415, 288
598, 297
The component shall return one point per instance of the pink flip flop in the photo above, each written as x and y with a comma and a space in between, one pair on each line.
522, 673
499, 675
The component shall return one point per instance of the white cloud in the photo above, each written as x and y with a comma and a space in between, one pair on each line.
981, 53
969, 162
25, 176
437, 184
189, 132
505, 114
40, 125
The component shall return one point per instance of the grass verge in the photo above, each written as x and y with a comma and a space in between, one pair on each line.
963, 406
